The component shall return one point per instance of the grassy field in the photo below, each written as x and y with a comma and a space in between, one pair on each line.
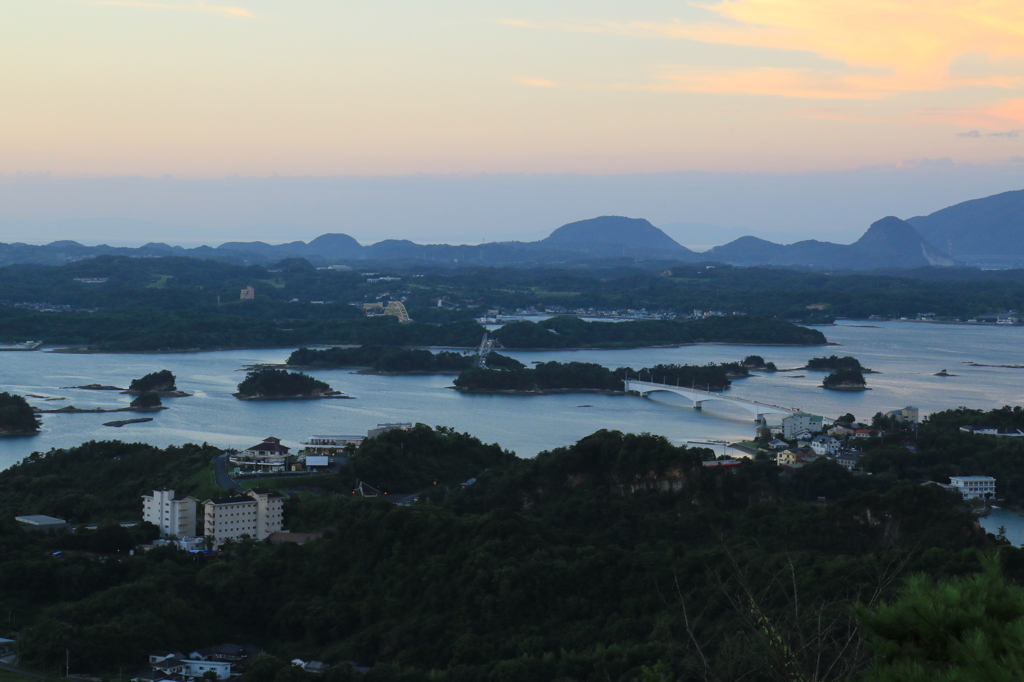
160, 283
202, 486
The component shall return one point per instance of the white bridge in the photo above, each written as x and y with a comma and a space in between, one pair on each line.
699, 397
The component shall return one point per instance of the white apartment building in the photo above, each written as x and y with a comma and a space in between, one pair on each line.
174, 515
800, 421
256, 514
974, 487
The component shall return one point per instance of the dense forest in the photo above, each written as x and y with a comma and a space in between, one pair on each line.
621, 557
98, 481
176, 283
16, 415
268, 382
381, 359
182, 303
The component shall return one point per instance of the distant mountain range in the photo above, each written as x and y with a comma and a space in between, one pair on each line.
982, 230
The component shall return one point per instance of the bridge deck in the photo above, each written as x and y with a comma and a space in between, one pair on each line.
632, 384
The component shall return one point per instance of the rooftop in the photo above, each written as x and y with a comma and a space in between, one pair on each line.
39, 520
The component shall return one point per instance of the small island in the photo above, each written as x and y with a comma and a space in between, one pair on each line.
757, 364
147, 402
834, 363
278, 384
123, 422
17, 418
162, 384
845, 380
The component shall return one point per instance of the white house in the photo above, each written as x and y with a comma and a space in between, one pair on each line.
256, 514
269, 455
974, 487
825, 445
174, 515
800, 421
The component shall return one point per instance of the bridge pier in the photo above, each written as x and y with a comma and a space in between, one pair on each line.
698, 405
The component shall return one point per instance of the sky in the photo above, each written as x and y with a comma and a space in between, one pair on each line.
726, 102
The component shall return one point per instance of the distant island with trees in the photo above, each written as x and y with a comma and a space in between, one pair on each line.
845, 380
589, 376
383, 359
277, 384
163, 383
17, 417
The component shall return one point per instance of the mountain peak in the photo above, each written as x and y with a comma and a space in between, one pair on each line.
612, 233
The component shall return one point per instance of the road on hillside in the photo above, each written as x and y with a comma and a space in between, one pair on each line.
220, 472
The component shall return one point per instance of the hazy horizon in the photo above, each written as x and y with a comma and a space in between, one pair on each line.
695, 208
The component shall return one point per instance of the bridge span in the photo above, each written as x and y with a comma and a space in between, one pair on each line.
699, 397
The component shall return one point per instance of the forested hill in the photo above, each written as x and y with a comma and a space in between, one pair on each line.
120, 303
622, 557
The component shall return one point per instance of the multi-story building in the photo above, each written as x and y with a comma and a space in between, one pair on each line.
974, 487
907, 415
174, 514
381, 428
330, 445
256, 514
800, 421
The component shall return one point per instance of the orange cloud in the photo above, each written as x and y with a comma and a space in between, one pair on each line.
1003, 114
888, 46
196, 6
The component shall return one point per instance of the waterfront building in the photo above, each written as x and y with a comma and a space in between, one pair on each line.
974, 487
174, 514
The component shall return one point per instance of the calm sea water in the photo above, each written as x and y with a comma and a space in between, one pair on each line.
907, 355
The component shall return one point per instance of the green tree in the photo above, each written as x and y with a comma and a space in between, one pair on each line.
959, 629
